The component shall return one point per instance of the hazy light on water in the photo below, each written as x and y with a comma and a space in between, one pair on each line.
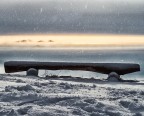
76, 55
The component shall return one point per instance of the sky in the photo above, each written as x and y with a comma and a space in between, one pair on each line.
70, 19
72, 16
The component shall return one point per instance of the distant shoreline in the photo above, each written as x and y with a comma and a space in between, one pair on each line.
74, 47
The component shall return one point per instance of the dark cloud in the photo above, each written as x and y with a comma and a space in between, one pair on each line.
71, 17
50, 41
40, 41
22, 41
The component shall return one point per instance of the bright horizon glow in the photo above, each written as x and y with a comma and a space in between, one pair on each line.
71, 40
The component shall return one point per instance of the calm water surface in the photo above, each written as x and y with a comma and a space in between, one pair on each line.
75, 55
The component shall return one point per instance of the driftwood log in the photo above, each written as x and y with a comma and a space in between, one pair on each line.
104, 68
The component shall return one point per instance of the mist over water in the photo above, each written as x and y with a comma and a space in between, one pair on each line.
75, 55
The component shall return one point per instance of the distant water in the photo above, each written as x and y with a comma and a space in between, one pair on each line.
75, 55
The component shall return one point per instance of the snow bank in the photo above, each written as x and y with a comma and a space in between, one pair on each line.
31, 96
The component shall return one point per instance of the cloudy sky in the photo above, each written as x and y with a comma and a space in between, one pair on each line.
71, 16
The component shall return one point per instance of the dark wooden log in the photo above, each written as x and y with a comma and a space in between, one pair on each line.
105, 68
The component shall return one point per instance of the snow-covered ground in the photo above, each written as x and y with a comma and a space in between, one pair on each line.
69, 96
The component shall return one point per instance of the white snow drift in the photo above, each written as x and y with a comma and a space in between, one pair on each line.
39, 96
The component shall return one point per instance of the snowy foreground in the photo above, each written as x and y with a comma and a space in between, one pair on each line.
38, 96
